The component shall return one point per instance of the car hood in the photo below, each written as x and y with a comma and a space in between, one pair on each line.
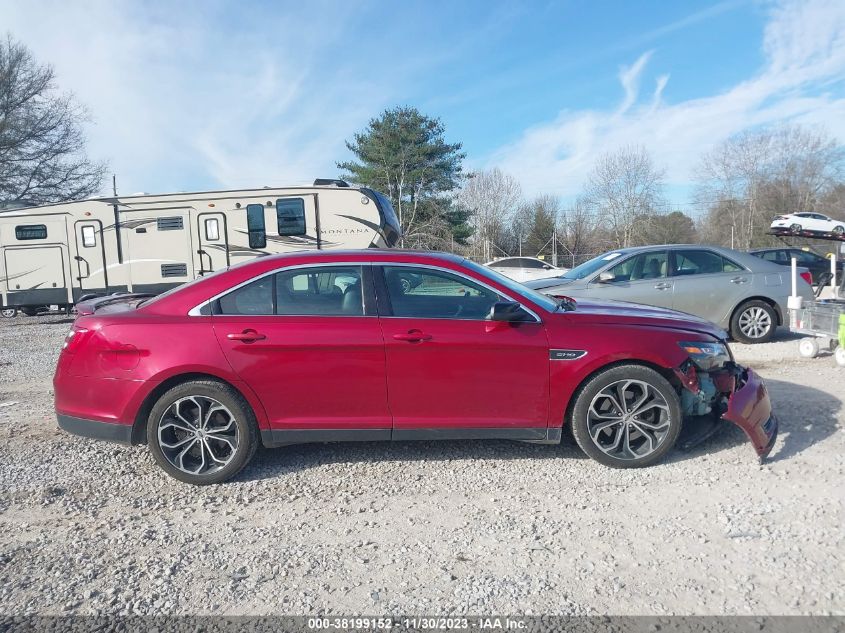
548, 282
623, 313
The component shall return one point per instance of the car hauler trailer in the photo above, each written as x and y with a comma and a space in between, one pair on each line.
56, 254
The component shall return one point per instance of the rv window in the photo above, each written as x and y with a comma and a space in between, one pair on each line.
255, 226
31, 232
212, 229
89, 236
290, 215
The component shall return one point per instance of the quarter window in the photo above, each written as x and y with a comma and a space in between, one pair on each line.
290, 216
255, 226
31, 232
433, 294
89, 236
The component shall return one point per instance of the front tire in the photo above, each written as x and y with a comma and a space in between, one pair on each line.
202, 432
627, 416
795, 228
753, 322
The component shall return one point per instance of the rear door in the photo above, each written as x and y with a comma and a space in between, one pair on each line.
307, 341
90, 270
707, 284
641, 278
450, 372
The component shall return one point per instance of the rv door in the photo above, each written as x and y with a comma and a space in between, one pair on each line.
90, 275
213, 242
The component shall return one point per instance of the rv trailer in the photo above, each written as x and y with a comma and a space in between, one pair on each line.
59, 253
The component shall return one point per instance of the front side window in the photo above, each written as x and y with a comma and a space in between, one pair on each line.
433, 294
255, 226
700, 262
89, 236
640, 267
290, 216
318, 291
31, 232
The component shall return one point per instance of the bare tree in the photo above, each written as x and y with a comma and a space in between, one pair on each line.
577, 234
758, 174
491, 198
623, 188
42, 145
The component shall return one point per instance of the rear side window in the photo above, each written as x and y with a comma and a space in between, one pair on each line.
31, 232
317, 291
255, 226
506, 263
290, 216
531, 263
701, 262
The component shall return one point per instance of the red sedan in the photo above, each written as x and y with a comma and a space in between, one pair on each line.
390, 345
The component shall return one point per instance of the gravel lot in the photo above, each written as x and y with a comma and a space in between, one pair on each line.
435, 528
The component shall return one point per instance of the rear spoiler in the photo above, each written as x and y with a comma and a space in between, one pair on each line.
91, 305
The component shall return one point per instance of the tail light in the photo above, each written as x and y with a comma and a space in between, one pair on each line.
74, 339
807, 276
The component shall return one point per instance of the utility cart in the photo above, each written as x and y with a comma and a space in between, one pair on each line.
824, 321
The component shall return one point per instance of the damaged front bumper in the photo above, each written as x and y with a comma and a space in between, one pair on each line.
736, 394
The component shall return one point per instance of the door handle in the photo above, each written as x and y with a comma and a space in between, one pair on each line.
663, 286
739, 280
247, 336
413, 336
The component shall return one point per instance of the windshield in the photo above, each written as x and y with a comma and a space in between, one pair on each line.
589, 267
541, 300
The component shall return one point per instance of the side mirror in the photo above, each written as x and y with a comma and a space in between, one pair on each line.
509, 311
606, 278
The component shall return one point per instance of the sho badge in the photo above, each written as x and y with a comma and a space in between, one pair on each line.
566, 354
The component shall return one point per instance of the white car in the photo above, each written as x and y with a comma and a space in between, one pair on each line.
525, 268
807, 221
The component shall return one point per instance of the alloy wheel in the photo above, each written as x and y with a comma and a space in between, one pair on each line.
9, 313
755, 322
628, 419
198, 435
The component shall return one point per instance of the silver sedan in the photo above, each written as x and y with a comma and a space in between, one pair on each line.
739, 292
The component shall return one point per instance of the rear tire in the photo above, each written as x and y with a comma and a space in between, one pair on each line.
9, 313
754, 322
838, 230
202, 432
637, 433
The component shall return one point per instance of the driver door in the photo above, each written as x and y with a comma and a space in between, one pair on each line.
451, 372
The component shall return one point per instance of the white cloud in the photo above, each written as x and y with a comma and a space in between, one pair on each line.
804, 45
202, 94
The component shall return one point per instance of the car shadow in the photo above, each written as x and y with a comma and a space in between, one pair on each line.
806, 416
791, 401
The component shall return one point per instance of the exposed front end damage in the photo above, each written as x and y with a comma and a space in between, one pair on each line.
733, 393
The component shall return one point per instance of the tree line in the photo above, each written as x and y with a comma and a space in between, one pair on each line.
740, 185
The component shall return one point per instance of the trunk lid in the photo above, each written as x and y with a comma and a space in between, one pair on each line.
111, 304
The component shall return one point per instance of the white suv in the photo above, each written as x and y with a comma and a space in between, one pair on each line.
806, 221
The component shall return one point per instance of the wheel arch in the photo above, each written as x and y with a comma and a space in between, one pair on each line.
772, 303
666, 372
139, 425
